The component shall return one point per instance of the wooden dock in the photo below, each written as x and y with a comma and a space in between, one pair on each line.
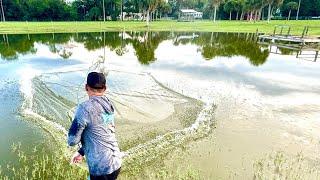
296, 39
283, 33
305, 46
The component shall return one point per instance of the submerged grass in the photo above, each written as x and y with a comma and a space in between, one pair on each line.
154, 152
162, 172
130, 143
41, 165
170, 25
282, 167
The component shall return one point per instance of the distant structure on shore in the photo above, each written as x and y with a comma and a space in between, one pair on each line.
189, 15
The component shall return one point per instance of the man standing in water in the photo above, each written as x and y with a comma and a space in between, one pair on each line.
93, 125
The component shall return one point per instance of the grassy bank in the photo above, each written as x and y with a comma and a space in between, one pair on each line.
205, 26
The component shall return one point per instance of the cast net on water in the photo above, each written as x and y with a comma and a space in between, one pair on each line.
151, 119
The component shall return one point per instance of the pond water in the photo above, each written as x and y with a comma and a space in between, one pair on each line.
227, 99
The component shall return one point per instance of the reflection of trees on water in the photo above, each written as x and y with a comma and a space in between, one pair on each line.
229, 44
12, 46
144, 44
94, 41
286, 51
121, 50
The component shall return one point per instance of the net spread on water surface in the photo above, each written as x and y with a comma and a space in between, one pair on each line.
151, 120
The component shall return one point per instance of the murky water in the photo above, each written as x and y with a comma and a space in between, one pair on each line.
170, 90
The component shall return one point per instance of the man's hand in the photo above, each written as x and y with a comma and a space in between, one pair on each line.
76, 158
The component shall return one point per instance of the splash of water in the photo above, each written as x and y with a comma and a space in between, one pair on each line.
27, 88
27, 74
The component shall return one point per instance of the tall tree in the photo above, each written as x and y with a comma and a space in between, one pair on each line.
164, 8
104, 11
238, 5
215, 4
271, 4
257, 6
241, 7
148, 6
297, 17
2, 11
121, 10
291, 6
228, 7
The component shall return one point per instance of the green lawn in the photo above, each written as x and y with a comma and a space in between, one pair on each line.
208, 26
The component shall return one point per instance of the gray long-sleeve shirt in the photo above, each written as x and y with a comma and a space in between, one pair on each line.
93, 125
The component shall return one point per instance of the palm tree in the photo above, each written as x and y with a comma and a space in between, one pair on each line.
121, 9
270, 2
291, 6
104, 11
298, 10
248, 8
149, 6
258, 5
3, 17
275, 3
238, 6
278, 3
216, 4
242, 7
229, 6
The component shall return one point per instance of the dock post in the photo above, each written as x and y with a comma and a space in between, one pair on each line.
316, 57
281, 30
304, 30
288, 34
274, 31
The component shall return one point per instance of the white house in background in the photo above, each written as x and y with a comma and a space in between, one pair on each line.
69, 1
189, 15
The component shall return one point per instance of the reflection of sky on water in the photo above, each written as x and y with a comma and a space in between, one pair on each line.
279, 75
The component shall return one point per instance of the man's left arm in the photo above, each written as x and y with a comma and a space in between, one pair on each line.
78, 125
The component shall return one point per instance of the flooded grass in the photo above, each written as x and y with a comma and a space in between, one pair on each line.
45, 166
162, 172
41, 165
282, 167
126, 144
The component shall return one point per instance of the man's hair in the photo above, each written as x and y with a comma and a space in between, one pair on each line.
96, 81
96, 90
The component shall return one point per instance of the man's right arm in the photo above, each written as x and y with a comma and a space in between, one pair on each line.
78, 125
81, 151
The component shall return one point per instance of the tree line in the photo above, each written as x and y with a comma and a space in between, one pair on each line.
94, 10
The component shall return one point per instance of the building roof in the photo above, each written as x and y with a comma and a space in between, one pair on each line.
188, 11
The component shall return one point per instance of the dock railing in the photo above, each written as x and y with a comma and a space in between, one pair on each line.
282, 29
285, 30
307, 29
